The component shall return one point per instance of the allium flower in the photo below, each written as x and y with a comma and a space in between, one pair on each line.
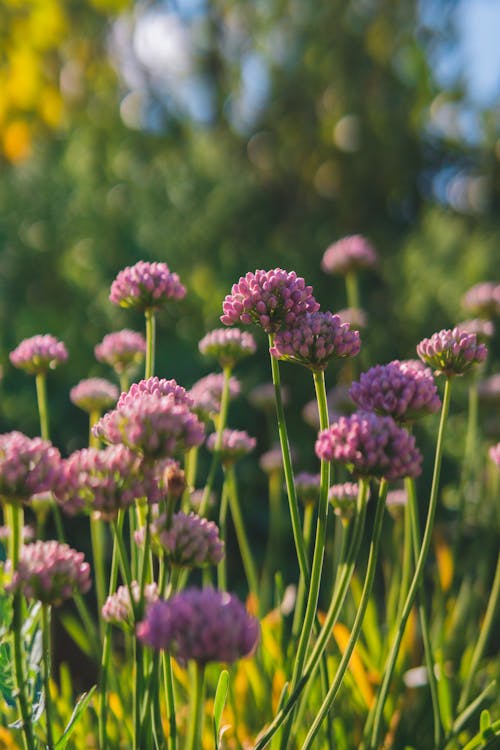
307, 486
355, 316
489, 389
395, 502
269, 299
94, 394
190, 541
146, 286
494, 453
343, 498
49, 572
451, 352
235, 444
27, 466
200, 625
398, 389
349, 254
272, 460
196, 498
104, 481
156, 387
28, 534
339, 404
207, 393
483, 299
373, 446
314, 339
117, 608
263, 396
121, 350
227, 345
39, 354
484, 329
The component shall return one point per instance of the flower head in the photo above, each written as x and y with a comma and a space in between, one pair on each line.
156, 387
189, 541
235, 444
94, 394
272, 460
484, 329
307, 486
27, 532
355, 316
200, 625
27, 466
373, 446
350, 253
314, 339
121, 350
49, 572
483, 299
343, 499
117, 609
227, 345
451, 352
395, 502
146, 286
494, 453
398, 389
207, 394
269, 299
38, 354
489, 389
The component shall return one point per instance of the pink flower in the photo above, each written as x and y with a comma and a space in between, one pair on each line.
207, 393
146, 286
483, 299
307, 486
39, 354
156, 387
121, 350
235, 444
27, 466
350, 253
494, 453
452, 352
227, 345
343, 498
117, 608
94, 394
190, 541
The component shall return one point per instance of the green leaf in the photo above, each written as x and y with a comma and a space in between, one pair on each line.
6, 675
220, 699
74, 628
78, 710
484, 721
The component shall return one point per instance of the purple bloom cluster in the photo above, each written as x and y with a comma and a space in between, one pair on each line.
50, 572
483, 299
146, 286
484, 329
156, 387
307, 486
343, 499
39, 354
200, 625
398, 389
27, 466
314, 339
494, 453
94, 394
189, 541
117, 608
207, 394
395, 502
235, 444
104, 481
121, 350
372, 445
272, 460
227, 345
269, 299
451, 352
350, 253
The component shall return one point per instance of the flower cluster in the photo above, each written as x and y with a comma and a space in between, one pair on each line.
494, 453
489, 389
49, 572
94, 394
156, 387
372, 445
27, 466
207, 394
235, 444
27, 534
398, 389
395, 502
452, 352
189, 541
117, 609
349, 254
484, 329
272, 460
200, 625
355, 316
343, 499
38, 354
227, 345
483, 299
269, 299
121, 350
146, 286
307, 486
314, 339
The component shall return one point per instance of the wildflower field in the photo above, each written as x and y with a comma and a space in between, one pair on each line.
367, 605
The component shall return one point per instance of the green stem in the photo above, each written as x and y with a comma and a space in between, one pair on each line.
222, 566
197, 707
241, 535
98, 540
46, 655
352, 289
168, 681
94, 417
356, 628
43, 412
407, 557
301, 591
124, 381
419, 568
150, 342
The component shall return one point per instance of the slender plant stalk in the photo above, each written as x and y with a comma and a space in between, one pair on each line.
356, 628
197, 708
46, 655
124, 381
301, 590
41, 396
149, 314
241, 535
222, 566
275, 484
168, 682
352, 289
407, 558
419, 568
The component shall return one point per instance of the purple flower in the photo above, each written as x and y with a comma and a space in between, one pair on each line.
451, 352
269, 299
156, 387
314, 339
207, 393
28, 533
272, 460
348, 254
94, 394
227, 345
494, 453
398, 389
343, 498
373, 446
189, 541
39, 354
49, 572
489, 389
104, 481
117, 608
27, 466
484, 329
235, 444
200, 625
395, 502
355, 316
154, 425
146, 286
483, 299
121, 350
307, 486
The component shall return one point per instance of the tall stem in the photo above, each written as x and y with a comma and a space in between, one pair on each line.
352, 289
197, 708
241, 535
419, 568
41, 396
46, 672
222, 567
150, 342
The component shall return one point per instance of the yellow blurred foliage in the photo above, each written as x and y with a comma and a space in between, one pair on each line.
6, 740
444, 560
356, 667
16, 141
